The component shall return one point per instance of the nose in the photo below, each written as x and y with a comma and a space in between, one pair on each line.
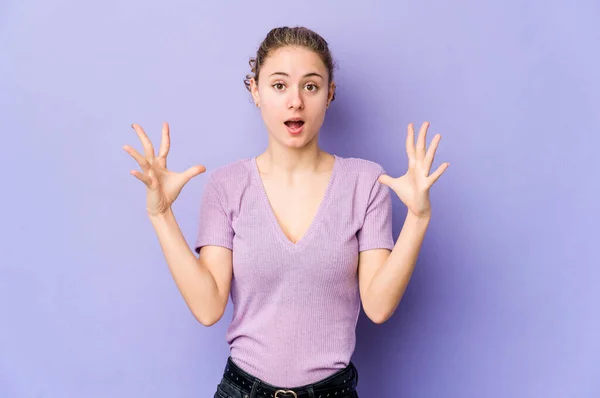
295, 99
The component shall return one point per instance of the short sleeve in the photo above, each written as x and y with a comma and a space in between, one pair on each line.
376, 231
214, 224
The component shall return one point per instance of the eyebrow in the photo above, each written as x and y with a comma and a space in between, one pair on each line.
307, 75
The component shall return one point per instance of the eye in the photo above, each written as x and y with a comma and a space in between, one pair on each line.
278, 86
311, 87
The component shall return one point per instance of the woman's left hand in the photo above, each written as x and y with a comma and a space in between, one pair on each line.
413, 187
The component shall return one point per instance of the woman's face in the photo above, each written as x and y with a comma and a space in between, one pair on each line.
293, 93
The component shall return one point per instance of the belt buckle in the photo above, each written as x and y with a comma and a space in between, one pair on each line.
285, 392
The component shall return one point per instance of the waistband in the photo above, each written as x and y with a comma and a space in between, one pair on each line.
341, 382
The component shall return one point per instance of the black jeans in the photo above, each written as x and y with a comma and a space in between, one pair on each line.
236, 383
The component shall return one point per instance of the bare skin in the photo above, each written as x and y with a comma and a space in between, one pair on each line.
295, 172
204, 282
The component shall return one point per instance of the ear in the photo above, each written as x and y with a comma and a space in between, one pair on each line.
331, 93
254, 91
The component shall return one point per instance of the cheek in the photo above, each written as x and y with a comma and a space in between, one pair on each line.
271, 113
269, 105
270, 102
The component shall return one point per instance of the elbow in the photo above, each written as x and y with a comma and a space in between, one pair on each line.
205, 318
207, 321
377, 317
207, 324
207, 313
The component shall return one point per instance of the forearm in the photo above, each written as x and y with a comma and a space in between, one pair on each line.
194, 281
390, 281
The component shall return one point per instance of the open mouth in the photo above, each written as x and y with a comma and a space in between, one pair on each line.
294, 124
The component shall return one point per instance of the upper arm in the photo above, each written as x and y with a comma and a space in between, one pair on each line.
369, 262
219, 262
214, 240
375, 240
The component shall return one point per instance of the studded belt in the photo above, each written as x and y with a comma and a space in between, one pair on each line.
340, 384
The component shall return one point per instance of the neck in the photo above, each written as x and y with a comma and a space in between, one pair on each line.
278, 159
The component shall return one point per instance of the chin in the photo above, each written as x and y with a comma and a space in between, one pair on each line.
298, 141
285, 138
293, 142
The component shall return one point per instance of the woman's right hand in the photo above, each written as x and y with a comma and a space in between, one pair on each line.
163, 186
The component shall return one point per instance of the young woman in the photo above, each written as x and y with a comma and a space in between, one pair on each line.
299, 237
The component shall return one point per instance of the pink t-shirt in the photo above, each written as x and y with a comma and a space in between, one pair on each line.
295, 306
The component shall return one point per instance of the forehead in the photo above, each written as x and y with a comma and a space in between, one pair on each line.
293, 61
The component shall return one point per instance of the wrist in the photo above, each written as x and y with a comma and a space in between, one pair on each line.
420, 219
162, 216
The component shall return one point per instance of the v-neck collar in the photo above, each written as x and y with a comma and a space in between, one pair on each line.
271, 213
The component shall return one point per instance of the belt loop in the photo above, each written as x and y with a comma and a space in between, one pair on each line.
253, 392
311, 393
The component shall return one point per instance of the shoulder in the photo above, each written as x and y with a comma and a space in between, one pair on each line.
360, 180
227, 174
229, 181
361, 169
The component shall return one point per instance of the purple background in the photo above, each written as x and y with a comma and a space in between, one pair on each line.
504, 299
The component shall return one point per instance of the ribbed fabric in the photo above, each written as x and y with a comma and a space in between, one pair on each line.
295, 306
